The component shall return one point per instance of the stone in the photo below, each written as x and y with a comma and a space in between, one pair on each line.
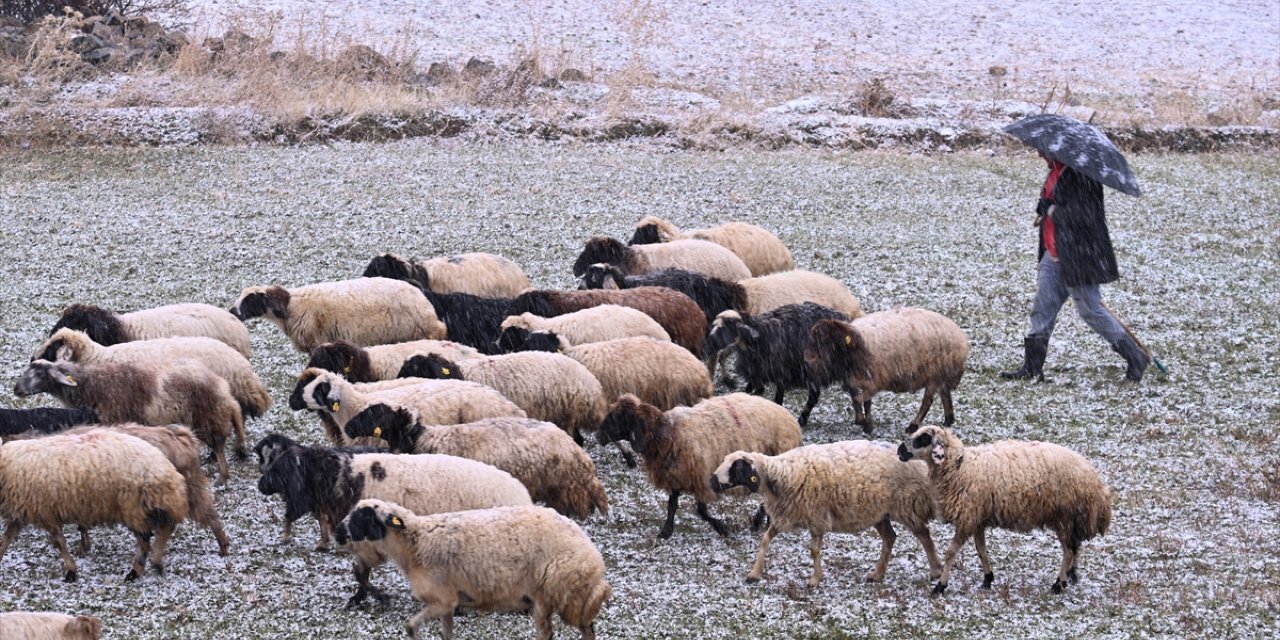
573, 75
362, 60
100, 56
440, 72
106, 31
85, 42
479, 67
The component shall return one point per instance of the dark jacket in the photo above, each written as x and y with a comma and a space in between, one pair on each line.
1080, 232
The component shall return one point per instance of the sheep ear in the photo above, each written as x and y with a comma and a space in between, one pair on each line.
395, 522
63, 378
939, 452
65, 352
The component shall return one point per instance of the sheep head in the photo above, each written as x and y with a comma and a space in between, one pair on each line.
728, 327
431, 366
630, 419
833, 350
543, 341
64, 344
600, 249
369, 520
271, 447
297, 399
255, 302
343, 358
318, 389
287, 475
646, 234
737, 470
390, 265
536, 301
602, 276
101, 325
512, 338
935, 445
43, 376
393, 424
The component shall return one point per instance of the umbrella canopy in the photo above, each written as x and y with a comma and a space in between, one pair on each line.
1080, 146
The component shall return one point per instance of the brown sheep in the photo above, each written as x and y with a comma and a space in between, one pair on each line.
678, 314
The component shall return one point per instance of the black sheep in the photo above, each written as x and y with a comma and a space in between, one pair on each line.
44, 419
712, 295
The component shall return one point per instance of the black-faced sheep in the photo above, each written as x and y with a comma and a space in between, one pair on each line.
44, 419
1014, 485
42, 483
436, 401
548, 386
274, 446
107, 327
760, 250
153, 393
557, 472
597, 324
181, 447
67, 344
314, 399
682, 447
901, 350
380, 362
712, 295
693, 255
329, 482
504, 559
30, 625
770, 348
843, 487
364, 311
479, 274
678, 315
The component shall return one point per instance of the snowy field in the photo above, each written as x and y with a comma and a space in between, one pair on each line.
1127, 55
1193, 550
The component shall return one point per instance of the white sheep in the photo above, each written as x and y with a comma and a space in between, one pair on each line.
842, 487
43, 484
315, 399
539, 454
154, 393
381, 362
766, 293
759, 249
547, 386
31, 625
479, 274
107, 327
363, 311
75, 346
683, 447
698, 256
502, 559
1014, 485
595, 324
901, 350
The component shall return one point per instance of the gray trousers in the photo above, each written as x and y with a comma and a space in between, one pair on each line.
1051, 293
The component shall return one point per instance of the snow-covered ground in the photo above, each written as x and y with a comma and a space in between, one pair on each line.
1192, 552
1127, 53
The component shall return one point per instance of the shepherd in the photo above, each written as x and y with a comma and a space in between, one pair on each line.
1075, 255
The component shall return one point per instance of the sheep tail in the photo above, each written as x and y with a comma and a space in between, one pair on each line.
237, 427
592, 604
599, 501
256, 401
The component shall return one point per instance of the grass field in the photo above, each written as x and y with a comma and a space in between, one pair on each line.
1193, 550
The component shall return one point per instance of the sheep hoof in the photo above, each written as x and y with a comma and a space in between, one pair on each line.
70, 577
131, 576
871, 577
939, 589
629, 459
987, 579
1058, 586
752, 579
159, 568
665, 533
948, 421
321, 547
1075, 577
241, 454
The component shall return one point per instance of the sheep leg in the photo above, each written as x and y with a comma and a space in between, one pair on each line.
887, 538
11, 530
867, 423
161, 543
759, 519
777, 394
542, 619
140, 558
438, 605
673, 501
815, 553
726, 377
809, 404
85, 543
1069, 551
925, 404
287, 535
948, 412
980, 543
363, 588
59, 542
948, 561
716, 523
757, 569
858, 418
323, 543
627, 457
930, 552
220, 454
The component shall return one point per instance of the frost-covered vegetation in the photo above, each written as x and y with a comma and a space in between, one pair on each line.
1192, 551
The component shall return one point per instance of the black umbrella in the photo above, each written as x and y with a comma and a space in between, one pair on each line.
1080, 146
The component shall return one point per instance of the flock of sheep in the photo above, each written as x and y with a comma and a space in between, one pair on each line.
454, 397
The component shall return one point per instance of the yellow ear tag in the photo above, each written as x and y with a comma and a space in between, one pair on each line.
70, 379
754, 479
395, 522
444, 370
336, 406
377, 432
346, 369
848, 340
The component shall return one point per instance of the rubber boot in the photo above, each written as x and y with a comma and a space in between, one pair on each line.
1134, 356
1033, 362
